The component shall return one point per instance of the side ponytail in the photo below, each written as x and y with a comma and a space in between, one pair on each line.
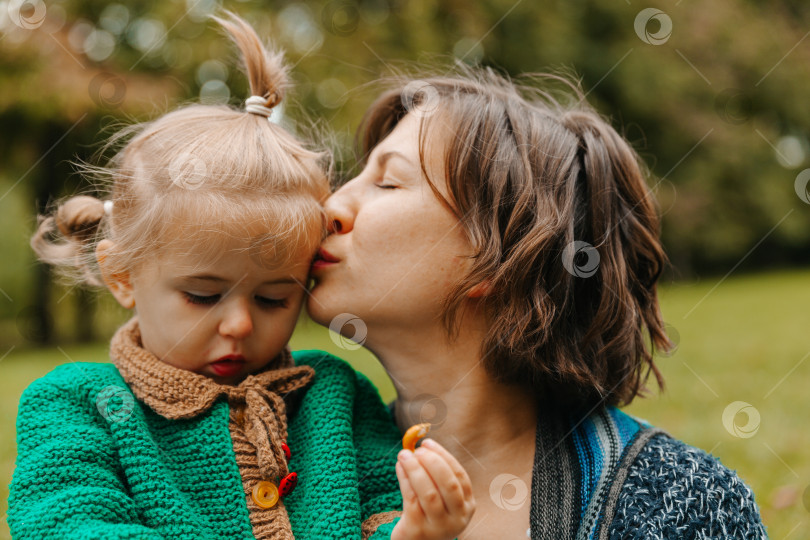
67, 239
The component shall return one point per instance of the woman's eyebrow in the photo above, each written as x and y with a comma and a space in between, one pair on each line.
385, 156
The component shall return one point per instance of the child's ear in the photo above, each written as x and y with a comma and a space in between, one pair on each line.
118, 283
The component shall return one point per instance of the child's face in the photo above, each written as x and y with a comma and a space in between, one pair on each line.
193, 314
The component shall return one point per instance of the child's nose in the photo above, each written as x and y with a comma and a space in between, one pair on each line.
237, 322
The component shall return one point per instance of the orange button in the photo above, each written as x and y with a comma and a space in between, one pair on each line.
265, 494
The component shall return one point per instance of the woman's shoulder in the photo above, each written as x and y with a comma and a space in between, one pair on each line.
672, 489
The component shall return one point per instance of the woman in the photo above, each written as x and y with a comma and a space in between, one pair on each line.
502, 250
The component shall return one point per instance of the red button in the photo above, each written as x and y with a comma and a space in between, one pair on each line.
288, 484
286, 449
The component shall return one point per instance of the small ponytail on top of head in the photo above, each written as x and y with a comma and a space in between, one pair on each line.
264, 67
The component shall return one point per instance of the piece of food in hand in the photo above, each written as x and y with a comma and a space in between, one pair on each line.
413, 435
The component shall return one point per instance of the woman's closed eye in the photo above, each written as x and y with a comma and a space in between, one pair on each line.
387, 183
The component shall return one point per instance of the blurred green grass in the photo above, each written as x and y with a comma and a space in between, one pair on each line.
745, 340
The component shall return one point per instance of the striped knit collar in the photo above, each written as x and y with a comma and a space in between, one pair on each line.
580, 464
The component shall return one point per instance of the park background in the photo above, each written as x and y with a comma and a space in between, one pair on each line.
712, 95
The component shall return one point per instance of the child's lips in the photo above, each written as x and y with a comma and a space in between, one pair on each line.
228, 366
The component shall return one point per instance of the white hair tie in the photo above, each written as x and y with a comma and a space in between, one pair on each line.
258, 105
108, 206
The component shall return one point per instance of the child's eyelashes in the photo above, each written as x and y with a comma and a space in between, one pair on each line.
202, 300
272, 302
214, 298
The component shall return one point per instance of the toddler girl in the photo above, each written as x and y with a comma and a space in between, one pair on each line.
205, 425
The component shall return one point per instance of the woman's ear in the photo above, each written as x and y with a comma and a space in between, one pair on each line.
480, 290
118, 283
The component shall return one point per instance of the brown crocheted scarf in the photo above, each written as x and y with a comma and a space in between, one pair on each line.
257, 401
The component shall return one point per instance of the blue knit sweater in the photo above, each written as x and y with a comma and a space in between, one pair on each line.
610, 476
674, 490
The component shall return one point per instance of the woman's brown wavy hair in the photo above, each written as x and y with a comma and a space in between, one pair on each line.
564, 228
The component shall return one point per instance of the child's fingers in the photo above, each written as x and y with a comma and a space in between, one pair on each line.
410, 502
459, 471
430, 499
444, 478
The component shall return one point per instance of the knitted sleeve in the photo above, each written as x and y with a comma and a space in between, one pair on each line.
66, 483
377, 440
674, 490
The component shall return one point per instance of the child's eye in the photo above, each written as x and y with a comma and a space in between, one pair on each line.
271, 302
204, 300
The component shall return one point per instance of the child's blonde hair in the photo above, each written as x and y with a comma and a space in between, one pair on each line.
207, 174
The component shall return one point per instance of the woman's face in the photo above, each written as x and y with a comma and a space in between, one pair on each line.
394, 251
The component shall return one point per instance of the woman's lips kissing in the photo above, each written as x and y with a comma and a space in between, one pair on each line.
323, 259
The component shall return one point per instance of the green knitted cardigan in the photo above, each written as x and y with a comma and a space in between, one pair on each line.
82, 473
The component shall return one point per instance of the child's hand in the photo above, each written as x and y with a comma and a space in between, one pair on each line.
437, 500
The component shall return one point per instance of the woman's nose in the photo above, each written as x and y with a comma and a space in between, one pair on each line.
236, 322
341, 208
